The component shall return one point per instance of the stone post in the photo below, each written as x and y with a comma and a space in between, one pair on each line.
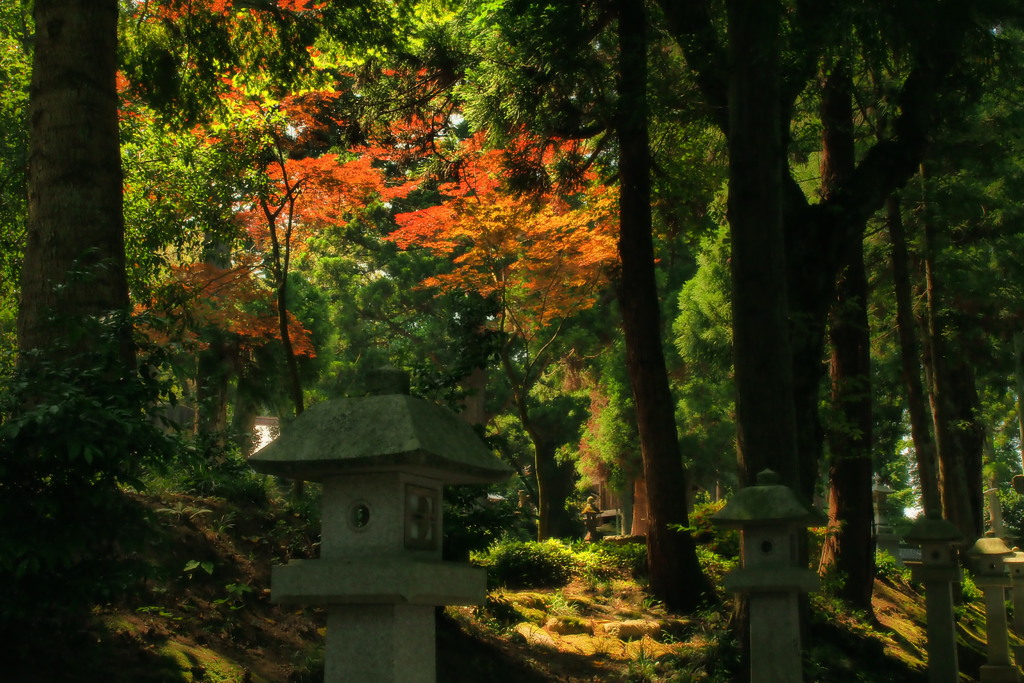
769, 517
383, 461
938, 570
987, 556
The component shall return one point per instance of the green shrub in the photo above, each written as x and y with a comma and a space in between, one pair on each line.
887, 568
603, 561
74, 433
714, 565
527, 564
723, 542
472, 522
553, 563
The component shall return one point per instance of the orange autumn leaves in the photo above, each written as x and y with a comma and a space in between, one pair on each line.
542, 254
233, 300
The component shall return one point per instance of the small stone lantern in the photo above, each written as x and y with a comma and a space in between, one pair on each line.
590, 521
986, 557
382, 460
769, 517
885, 538
1015, 567
937, 571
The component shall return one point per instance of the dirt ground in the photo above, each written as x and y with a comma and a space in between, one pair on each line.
204, 614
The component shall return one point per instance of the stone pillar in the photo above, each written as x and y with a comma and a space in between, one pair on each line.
938, 570
769, 517
987, 557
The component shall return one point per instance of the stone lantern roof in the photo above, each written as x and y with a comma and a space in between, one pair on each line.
391, 432
932, 529
768, 502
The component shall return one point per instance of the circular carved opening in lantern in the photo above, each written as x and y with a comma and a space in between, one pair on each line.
359, 516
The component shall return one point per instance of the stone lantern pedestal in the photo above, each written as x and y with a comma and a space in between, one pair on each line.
987, 556
769, 517
938, 570
383, 461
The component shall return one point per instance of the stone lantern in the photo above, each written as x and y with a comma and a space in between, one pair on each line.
937, 571
885, 538
769, 518
1015, 568
590, 520
986, 557
382, 460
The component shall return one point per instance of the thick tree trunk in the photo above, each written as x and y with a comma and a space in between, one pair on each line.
953, 475
766, 426
849, 547
675, 574
555, 481
920, 430
74, 260
969, 438
211, 417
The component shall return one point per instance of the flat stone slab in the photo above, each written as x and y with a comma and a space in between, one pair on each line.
377, 582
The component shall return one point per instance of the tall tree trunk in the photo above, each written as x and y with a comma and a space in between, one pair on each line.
675, 574
969, 437
920, 430
953, 479
766, 426
849, 547
213, 366
74, 259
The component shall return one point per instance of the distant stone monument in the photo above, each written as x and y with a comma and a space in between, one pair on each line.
383, 460
769, 517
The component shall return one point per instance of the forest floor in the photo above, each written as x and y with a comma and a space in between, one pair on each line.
205, 615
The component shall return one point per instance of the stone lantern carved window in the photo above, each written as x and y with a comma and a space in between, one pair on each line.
421, 514
359, 516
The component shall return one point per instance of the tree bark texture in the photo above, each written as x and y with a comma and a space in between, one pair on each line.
675, 574
74, 258
555, 482
954, 479
920, 429
849, 546
766, 426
